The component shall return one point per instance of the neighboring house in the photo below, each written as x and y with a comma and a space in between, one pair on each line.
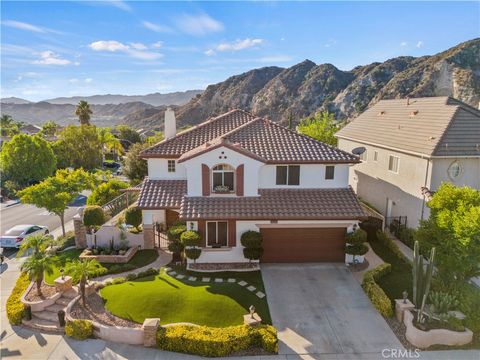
237, 172
30, 129
412, 145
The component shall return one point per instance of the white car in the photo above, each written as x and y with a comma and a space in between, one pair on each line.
13, 237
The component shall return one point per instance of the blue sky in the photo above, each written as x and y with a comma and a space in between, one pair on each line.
56, 48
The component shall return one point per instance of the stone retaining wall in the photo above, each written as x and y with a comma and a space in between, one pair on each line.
424, 339
39, 305
113, 259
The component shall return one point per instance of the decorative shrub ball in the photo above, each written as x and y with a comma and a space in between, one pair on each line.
190, 238
133, 216
252, 253
175, 247
175, 231
356, 249
93, 216
193, 253
251, 239
357, 237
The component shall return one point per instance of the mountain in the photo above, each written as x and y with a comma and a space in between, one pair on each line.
305, 88
156, 99
13, 100
40, 112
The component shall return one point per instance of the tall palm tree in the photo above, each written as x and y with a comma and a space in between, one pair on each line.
37, 265
36, 243
83, 112
82, 270
110, 142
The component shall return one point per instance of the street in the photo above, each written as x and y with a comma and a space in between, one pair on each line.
30, 214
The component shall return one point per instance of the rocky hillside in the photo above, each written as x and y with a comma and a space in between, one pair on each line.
305, 88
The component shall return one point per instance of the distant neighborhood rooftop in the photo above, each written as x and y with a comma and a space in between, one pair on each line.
431, 126
259, 138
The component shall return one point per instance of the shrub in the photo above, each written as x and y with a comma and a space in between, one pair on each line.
106, 192
359, 236
385, 240
252, 253
119, 280
79, 329
149, 272
67, 240
377, 296
190, 238
193, 253
175, 231
251, 239
356, 249
93, 216
442, 302
131, 277
175, 247
15, 307
407, 236
214, 342
133, 216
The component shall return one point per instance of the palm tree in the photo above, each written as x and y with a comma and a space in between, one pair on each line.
83, 112
37, 243
37, 265
82, 270
110, 142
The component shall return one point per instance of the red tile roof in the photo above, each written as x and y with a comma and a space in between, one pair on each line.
262, 139
162, 194
277, 204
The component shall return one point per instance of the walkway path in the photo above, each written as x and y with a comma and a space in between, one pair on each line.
373, 261
163, 259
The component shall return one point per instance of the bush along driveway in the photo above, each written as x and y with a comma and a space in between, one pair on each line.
213, 299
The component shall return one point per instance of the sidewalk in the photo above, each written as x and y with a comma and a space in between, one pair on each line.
58, 231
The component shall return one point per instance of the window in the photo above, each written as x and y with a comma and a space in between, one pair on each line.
223, 178
329, 172
288, 175
454, 170
217, 233
363, 156
171, 165
375, 155
393, 162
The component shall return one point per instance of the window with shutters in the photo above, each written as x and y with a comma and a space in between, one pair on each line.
217, 233
223, 178
288, 175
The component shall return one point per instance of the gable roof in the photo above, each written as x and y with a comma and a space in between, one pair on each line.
259, 138
431, 126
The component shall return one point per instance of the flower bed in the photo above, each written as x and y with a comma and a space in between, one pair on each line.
424, 339
215, 267
110, 259
15, 307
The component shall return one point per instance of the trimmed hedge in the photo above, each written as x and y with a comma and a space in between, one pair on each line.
133, 216
15, 307
407, 236
190, 238
215, 342
377, 296
174, 232
93, 215
251, 239
79, 329
385, 240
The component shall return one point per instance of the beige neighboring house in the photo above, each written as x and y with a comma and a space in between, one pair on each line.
412, 144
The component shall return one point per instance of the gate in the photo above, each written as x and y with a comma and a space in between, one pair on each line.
160, 237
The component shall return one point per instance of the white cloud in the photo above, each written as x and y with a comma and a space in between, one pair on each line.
108, 45
138, 46
73, 81
50, 58
157, 45
403, 43
23, 26
199, 24
122, 5
88, 80
419, 44
156, 27
209, 52
136, 50
239, 44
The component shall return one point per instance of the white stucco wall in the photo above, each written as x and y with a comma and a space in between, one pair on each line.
215, 157
311, 176
158, 170
470, 175
152, 216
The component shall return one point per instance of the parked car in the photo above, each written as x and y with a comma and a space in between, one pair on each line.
14, 237
112, 165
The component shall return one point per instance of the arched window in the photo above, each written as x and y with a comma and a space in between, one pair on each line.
223, 176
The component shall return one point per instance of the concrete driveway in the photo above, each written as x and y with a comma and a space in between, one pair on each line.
321, 309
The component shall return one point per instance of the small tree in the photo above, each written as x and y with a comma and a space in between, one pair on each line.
174, 234
81, 271
106, 192
191, 240
50, 128
252, 242
38, 264
193, 253
355, 243
135, 167
56, 192
93, 217
321, 126
133, 216
36, 243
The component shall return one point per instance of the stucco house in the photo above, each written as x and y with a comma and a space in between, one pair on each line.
412, 145
237, 172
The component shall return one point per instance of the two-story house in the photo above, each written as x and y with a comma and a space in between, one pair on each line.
237, 172
411, 145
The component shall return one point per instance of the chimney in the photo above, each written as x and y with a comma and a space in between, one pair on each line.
170, 126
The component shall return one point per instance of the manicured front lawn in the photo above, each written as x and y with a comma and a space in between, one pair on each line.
171, 300
399, 279
140, 259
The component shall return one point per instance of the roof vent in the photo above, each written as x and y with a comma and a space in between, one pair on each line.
383, 112
413, 113
431, 138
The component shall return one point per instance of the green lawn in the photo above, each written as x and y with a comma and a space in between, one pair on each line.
172, 300
399, 279
140, 259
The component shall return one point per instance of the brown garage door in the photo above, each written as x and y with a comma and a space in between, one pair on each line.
303, 244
